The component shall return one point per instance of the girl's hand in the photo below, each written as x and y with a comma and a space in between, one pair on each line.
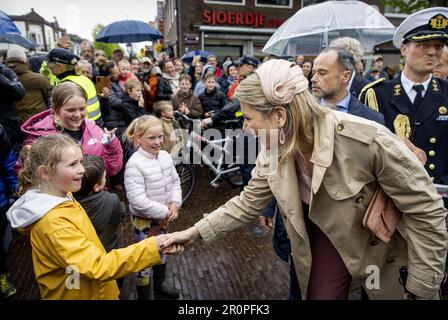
108, 136
173, 212
174, 248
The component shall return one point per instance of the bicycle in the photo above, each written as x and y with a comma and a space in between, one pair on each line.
194, 146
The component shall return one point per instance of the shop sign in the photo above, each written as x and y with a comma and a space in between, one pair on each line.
248, 19
191, 38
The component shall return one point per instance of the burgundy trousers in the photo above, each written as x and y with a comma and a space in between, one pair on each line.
329, 278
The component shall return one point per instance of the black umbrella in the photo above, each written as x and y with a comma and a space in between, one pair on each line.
128, 31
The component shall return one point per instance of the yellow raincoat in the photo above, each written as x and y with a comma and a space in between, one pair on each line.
71, 263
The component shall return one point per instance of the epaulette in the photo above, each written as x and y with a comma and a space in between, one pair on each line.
370, 85
370, 97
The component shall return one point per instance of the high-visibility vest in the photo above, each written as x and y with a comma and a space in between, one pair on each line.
93, 104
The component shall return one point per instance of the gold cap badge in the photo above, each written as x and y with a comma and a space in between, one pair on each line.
442, 110
439, 22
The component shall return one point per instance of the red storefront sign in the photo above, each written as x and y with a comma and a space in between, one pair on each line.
228, 18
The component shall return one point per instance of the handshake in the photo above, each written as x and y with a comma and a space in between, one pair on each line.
172, 243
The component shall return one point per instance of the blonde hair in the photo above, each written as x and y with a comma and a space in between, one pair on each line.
132, 84
69, 68
123, 62
138, 127
161, 106
64, 92
351, 45
44, 151
301, 112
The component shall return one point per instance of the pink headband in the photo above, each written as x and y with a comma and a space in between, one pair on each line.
281, 80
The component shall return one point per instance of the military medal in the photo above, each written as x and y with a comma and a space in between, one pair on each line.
402, 126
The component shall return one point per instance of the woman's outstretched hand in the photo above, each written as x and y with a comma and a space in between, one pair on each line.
182, 237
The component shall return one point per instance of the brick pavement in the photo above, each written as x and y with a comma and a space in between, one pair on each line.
241, 265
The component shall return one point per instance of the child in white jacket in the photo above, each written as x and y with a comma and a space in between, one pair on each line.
154, 194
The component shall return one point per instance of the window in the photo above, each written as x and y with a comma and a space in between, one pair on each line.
32, 35
310, 2
274, 3
231, 2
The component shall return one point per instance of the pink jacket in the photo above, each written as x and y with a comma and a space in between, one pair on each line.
112, 154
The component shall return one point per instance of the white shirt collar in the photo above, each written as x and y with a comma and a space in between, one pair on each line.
408, 84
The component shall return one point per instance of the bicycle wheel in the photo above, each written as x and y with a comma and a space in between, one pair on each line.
187, 180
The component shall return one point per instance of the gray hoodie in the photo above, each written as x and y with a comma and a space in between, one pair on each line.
31, 207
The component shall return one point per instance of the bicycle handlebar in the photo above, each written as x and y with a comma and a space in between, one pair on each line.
178, 114
231, 123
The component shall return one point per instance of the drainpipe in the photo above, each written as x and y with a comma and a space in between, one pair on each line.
178, 27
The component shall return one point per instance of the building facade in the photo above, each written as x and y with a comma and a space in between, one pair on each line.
225, 27
36, 28
228, 27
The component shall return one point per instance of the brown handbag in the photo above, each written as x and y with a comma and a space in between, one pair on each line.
382, 216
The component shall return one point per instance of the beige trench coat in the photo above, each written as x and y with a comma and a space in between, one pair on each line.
350, 157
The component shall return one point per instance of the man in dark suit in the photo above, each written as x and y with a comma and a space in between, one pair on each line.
332, 71
353, 46
415, 104
358, 83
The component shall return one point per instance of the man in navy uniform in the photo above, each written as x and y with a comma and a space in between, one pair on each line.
415, 104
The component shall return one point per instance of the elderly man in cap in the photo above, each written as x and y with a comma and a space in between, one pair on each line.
64, 65
415, 104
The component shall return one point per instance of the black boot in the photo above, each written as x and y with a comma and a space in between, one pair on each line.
161, 288
144, 292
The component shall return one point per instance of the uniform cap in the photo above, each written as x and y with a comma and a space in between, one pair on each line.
427, 24
249, 60
63, 56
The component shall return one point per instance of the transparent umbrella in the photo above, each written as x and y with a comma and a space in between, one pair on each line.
312, 28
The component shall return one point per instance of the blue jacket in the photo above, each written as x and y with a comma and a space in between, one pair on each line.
8, 181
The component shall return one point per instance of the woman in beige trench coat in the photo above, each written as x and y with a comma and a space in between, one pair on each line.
325, 172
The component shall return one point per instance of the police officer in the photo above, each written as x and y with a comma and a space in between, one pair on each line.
64, 65
415, 104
